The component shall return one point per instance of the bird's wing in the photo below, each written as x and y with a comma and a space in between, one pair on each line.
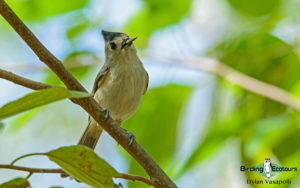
146, 83
100, 77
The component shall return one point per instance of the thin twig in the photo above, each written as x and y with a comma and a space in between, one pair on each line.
23, 81
32, 170
24, 156
29, 175
88, 104
60, 171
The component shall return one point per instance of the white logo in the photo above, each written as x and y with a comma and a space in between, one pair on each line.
267, 167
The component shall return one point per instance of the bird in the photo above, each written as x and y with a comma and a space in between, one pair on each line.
119, 85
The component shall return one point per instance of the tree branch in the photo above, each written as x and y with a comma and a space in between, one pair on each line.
60, 171
137, 178
23, 81
88, 104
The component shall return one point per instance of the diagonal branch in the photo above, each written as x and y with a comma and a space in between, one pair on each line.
88, 104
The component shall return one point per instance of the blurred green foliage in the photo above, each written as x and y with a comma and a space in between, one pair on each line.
156, 14
264, 128
255, 7
261, 55
36, 9
76, 30
218, 132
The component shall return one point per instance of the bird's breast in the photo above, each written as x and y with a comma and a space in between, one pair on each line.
122, 91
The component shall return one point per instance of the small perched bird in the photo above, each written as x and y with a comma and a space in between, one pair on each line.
119, 85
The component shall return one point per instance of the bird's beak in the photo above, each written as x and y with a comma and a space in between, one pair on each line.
130, 40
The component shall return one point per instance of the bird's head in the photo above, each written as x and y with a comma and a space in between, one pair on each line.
117, 43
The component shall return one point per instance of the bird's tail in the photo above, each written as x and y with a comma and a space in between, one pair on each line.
91, 135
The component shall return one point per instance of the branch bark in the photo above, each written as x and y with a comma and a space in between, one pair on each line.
137, 178
88, 104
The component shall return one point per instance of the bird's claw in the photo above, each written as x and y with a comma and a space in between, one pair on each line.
107, 114
118, 185
131, 137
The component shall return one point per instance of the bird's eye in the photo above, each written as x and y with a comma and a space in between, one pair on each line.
113, 45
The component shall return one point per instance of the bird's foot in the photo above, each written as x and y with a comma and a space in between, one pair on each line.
131, 137
118, 185
107, 114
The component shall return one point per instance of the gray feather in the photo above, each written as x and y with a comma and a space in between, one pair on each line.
100, 77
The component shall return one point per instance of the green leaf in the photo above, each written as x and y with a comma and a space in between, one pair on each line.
37, 9
16, 183
38, 98
83, 164
154, 15
155, 125
265, 133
